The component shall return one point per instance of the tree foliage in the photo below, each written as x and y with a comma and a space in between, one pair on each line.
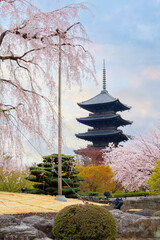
12, 180
154, 180
133, 163
46, 180
30, 40
97, 178
89, 155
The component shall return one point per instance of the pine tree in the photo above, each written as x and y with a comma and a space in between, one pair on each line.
46, 180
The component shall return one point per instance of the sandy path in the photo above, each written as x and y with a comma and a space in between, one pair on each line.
13, 203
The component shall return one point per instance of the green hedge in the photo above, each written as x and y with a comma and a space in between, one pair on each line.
89, 194
130, 194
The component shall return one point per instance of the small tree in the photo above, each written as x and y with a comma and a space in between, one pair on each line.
12, 180
29, 58
46, 180
89, 155
97, 178
154, 180
134, 162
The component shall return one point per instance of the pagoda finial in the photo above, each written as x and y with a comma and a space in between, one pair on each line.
104, 77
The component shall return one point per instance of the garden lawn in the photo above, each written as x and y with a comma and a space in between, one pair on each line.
14, 203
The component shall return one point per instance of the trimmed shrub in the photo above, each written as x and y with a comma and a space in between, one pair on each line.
130, 194
84, 222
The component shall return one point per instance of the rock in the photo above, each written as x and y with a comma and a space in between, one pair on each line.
11, 228
46, 238
132, 226
135, 211
145, 212
105, 201
156, 214
8, 220
20, 232
39, 223
90, 198
151, 202
150, 227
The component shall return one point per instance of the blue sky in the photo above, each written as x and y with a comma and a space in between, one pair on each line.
127, 34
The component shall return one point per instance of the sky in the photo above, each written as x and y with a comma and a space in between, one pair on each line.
127, 35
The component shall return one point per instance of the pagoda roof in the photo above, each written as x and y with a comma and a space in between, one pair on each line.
103, 99
93, 135
93, 119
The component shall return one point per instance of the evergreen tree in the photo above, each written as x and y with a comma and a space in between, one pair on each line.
46, 180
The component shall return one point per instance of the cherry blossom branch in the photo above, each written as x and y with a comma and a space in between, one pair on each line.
8, 107
8, 1
26, 90
15, 30
2, 36
15, 58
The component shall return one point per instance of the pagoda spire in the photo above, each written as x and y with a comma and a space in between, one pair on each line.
104, 77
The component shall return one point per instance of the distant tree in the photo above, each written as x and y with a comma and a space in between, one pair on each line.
97, 178
46, 179
6, 161
89, 155
133, 163
154, 179
12, 175
14, 179
30, 41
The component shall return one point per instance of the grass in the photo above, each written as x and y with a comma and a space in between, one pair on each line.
15, 203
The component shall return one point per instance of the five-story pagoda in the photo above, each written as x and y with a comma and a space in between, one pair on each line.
103, 119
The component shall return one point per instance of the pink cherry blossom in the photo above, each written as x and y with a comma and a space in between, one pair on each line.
29, 50
133, 163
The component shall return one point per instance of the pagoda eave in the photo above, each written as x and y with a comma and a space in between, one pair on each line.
104, 120
101, 107
108, 135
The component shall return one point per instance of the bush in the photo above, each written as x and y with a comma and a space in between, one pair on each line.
12, 180
84, 194
84, 222
130, 194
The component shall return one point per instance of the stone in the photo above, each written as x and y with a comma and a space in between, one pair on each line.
20, 232
39, 223
132, 226
46, 238
90, 198
8, 220
149, 202
156, 214
136, 211
145, 212
150, 227
60, 198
